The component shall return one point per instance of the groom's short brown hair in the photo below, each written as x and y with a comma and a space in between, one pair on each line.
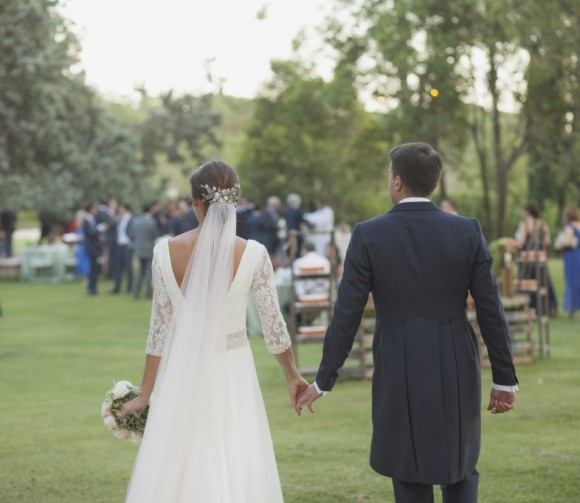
418, 165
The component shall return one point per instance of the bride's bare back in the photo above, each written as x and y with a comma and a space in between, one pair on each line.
180, 248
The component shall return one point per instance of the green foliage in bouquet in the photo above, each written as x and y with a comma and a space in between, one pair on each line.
132, 426
132, 421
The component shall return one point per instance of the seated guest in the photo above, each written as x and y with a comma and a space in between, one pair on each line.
311, 263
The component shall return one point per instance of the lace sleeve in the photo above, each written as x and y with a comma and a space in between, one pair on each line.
264, 290
161, 312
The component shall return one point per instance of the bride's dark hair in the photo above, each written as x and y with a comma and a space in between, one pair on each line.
216, 174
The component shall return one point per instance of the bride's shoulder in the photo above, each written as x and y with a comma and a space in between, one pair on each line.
161, 244
180, 242
255, 248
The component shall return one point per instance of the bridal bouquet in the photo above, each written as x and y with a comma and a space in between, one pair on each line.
131, 426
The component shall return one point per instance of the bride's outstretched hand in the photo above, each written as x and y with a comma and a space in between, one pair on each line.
307, 398
296, 386
138, 404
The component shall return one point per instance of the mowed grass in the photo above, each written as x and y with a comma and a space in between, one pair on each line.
60, 351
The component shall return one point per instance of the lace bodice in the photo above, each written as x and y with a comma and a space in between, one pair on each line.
255, 274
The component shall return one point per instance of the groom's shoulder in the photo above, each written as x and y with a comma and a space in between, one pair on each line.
448, 220
372, 226
377, 221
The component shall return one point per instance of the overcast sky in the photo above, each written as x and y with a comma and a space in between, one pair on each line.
164, 43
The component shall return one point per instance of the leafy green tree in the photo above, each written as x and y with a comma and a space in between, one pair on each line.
552, 108
178, 129
307, 136
441, 67
36, 51
57, 144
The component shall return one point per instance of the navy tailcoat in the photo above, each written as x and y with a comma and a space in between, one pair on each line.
420, 264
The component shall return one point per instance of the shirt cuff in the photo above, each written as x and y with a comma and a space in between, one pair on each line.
318, 390
501, 387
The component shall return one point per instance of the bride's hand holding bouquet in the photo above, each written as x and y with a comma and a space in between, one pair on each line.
137, 405
125, 410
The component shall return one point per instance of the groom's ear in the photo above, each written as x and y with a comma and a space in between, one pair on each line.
398, 184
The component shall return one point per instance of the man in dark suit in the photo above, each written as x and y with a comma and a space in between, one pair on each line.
270, 217
294, 221
107, 215
185, 220
124, 249
8, 226
93, 246
420, 263
144, 233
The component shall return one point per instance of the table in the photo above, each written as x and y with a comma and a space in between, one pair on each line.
50, 263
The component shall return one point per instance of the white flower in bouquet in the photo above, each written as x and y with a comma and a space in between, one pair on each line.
110, 422
121, 389
106, 407
132, 426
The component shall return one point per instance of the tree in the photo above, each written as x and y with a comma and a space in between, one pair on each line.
306, 136
462, 49
552, 107
57, 144
179, 129
36, 50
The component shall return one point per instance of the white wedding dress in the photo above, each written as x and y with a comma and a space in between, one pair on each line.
219, 450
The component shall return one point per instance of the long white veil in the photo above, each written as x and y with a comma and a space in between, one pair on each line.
189, 382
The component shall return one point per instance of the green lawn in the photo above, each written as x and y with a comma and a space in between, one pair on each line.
60, 352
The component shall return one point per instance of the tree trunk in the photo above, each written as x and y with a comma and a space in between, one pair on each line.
501, 169
434, 142
478, 133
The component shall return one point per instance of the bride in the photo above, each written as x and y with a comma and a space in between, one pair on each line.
207, 437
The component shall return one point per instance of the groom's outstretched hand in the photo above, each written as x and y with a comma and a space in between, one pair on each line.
307, 398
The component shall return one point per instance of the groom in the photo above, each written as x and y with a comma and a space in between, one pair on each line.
420, 263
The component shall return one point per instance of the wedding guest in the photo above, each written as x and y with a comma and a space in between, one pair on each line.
82, 259
46, 222
254, 224
185, 219
572, 262
163, 219
93, 246
294, 217
322, 222
270, 217
243, 212
144, 232
124, 249
8, 226
311, 262
533, 235
107, 214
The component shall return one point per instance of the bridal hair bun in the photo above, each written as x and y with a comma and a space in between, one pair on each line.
230, 195
216, 182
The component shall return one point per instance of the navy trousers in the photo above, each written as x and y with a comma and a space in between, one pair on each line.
464, 491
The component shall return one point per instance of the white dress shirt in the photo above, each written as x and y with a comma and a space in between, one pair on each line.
322, 220
122, 236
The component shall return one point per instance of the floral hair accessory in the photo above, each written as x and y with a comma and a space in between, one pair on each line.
231, 195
